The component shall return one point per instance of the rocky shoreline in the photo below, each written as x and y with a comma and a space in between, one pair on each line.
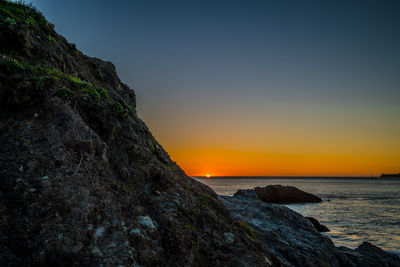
294, 240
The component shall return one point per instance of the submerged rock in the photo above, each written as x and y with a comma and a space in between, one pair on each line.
285, 195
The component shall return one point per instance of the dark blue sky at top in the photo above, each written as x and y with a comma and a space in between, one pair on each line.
196, 55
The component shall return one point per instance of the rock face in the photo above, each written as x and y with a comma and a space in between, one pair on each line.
369, 255
285, 195
317, 225
249, 193
295, 241
83, 181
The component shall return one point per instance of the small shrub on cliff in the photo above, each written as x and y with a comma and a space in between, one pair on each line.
131, 110
103, 92
117, 108
14, 66
77, 82
90, 91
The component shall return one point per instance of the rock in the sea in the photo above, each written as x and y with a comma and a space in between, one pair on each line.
317, 225
285, 195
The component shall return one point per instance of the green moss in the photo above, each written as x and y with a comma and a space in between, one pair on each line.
64, 92
11, 23
250, 232
90, 91
77, 82
151, 146
205, 199
12, 65
39, 82
31, 21
131, 110
21, 13
117, 108
103, 92
51, 39
54, 73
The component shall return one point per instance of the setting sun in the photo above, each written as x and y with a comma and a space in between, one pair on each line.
208, 175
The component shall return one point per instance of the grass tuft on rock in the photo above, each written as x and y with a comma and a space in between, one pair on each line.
20, 13
250, 232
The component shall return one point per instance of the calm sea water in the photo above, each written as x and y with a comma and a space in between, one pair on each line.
354, 209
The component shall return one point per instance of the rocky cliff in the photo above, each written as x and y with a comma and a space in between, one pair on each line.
84, 182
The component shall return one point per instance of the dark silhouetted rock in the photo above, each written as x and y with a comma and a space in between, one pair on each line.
285, 195
369, 255
83, 180
317, 225
390, 175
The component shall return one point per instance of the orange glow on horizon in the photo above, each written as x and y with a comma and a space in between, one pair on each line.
250, 163
296, 141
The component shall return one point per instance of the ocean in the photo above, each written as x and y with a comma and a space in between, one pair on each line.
354, 209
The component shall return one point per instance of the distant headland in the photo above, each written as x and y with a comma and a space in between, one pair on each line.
386, 175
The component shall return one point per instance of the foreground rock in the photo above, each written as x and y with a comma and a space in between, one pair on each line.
83, 181
317, 225
285, 195
295, 241
369, 255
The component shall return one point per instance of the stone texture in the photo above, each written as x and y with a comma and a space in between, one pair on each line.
293, 239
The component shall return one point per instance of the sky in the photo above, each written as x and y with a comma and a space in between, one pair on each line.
254, 87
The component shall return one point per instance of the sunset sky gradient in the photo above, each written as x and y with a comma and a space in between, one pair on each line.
254, 87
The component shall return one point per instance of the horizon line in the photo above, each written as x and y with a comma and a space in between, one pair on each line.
289, 176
